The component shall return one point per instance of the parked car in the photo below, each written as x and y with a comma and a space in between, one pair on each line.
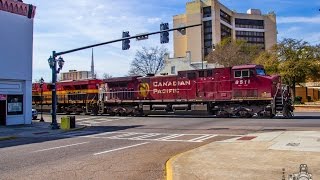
34, 114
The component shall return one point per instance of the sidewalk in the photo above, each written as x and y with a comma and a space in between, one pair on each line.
255, 156
33, 130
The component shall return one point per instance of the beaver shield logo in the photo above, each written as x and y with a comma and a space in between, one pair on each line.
144, 89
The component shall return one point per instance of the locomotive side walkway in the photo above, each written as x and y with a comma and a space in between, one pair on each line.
256, 156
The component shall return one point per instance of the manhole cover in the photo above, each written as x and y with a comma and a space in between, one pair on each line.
293, 144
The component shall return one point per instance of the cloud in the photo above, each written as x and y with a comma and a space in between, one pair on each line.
299, 19
154, 20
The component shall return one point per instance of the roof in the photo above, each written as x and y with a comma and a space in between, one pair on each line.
247, 66
18, 7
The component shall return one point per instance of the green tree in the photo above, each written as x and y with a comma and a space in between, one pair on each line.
269, 59
231, 52
298, 62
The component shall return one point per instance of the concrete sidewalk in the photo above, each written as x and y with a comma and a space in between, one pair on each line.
35, 129
255, 156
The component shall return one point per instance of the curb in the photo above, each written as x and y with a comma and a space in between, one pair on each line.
169, 169
75, 129
4, 138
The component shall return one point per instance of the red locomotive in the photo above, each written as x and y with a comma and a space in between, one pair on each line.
241, 91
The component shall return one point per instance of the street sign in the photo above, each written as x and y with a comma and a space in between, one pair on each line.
142, 36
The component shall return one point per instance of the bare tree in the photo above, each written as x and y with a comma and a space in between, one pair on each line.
233, 52
106, 76
148, 61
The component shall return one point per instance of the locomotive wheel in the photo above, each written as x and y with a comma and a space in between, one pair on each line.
223, 114
243, 114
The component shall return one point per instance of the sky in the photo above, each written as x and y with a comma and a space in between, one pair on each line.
62, 25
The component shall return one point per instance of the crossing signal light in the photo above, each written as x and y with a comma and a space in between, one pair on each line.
125, 43
164, 36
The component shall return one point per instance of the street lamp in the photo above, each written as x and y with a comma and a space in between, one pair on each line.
41, 86
52, 61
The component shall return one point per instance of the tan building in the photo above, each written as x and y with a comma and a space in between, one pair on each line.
219, 22
75, 75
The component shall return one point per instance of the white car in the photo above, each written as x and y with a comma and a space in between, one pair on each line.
34, 114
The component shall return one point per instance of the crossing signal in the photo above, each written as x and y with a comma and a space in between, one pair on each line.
164, 36
125, 43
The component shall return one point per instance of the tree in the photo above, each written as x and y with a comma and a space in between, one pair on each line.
269, 59
295, 60
106, 76
233, 52
148, 61
298, 61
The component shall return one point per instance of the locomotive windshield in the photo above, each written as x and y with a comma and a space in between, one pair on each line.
261, 72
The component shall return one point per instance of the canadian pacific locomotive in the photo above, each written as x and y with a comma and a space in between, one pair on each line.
238, 91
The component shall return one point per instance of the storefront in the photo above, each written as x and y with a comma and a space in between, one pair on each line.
16, 47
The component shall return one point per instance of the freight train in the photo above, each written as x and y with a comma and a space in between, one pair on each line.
238, 91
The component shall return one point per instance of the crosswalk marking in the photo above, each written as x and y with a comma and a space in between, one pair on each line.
155, 136
197, 138
93, 121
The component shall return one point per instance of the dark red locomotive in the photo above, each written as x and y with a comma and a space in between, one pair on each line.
242, 91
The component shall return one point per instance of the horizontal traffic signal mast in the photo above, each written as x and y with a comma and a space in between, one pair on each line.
126, 38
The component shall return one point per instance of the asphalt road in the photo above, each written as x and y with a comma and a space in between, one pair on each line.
127, 147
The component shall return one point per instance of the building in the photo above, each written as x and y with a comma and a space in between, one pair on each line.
16, 46
75, 75
220, 22
173, 65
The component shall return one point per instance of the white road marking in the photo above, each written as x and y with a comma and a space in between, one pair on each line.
61, 147
124, 135
144, 136
153, 136
203, 139
204, 136
112, 150
170, 137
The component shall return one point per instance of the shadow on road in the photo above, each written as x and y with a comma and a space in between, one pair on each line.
63, 135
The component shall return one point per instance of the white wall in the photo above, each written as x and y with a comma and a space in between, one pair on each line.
16, 46
16, 38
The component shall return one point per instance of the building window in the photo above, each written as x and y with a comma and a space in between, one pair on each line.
225, 17
206, 12
225, 31
173, 69
15, 104
249, 23
251, 37
207, 34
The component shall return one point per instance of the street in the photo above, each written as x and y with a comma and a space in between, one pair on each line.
127, 147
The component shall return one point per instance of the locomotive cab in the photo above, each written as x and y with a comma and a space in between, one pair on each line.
251, 82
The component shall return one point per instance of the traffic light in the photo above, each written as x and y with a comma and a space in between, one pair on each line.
125, 43
164, 36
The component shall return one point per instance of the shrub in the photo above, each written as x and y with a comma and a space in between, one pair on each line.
298, 99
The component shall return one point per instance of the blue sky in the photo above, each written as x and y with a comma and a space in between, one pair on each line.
66, 24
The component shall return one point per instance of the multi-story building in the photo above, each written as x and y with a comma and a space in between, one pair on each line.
219, 22
75, 75
16, 47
